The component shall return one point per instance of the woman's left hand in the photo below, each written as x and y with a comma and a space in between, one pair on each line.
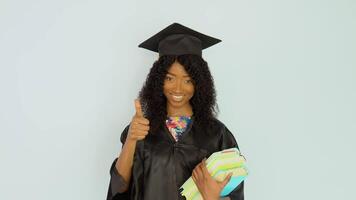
208, 187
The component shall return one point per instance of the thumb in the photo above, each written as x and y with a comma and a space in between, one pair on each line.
138, 108
226, 180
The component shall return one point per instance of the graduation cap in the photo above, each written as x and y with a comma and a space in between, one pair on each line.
177, 39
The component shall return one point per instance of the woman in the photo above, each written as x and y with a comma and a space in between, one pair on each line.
174, 127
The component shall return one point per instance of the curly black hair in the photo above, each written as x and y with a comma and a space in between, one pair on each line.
154, 103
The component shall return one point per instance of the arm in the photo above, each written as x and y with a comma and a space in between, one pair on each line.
137, 130
123, 168
118, 185
119, 188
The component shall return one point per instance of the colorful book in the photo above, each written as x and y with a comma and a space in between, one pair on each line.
219, 165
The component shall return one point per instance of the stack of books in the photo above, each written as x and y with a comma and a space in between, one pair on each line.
219, 165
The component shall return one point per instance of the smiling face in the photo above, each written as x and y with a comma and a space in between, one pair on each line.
178, 88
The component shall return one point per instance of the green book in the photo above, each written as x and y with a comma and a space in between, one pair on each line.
219, 165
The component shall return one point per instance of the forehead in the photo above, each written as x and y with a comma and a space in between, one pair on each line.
177, 69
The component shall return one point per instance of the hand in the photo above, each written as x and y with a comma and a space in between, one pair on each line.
139, 125
208, 187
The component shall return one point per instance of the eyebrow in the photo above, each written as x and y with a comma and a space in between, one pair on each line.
176, 75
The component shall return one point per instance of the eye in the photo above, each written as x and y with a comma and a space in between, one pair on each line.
189, 81
168, 78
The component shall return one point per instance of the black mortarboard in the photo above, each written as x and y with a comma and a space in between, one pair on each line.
177, 39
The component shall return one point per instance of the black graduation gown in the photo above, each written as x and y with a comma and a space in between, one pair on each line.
162, 165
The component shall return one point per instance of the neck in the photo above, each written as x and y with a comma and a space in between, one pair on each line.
182, 111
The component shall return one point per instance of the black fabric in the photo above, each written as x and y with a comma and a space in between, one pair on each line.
177, 39
179, 44
119, 184
162, 165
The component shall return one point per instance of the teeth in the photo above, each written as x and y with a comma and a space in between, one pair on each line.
177, 97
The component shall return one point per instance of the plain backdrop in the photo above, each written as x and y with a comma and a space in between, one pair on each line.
285, 78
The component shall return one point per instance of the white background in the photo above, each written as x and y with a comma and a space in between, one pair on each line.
285, 78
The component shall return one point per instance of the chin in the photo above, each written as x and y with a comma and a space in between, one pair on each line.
177, 104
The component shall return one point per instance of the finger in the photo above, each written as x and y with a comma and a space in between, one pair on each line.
199, 172
139, 137
226, 180
137, 132
195, 180
135, 125
194, 174
203, 167
142, 127
138, 108
141, 120
142, 133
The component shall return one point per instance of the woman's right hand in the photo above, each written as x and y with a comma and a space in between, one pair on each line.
139, 125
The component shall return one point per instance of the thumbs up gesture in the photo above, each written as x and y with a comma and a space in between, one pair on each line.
139, 125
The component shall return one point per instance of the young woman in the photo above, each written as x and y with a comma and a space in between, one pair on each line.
174, 127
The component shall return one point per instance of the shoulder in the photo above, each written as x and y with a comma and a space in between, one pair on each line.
217, 131
217, 126
226, 138
214, 128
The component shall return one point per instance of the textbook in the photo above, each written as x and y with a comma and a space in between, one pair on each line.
219, 165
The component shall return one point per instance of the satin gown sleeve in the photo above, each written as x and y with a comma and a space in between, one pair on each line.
117, 183
227, 141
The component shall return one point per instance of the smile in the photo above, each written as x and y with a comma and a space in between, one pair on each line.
177, 98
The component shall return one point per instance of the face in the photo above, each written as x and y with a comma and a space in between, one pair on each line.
178, 87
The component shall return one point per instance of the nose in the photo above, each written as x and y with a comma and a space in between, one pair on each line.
178, 86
